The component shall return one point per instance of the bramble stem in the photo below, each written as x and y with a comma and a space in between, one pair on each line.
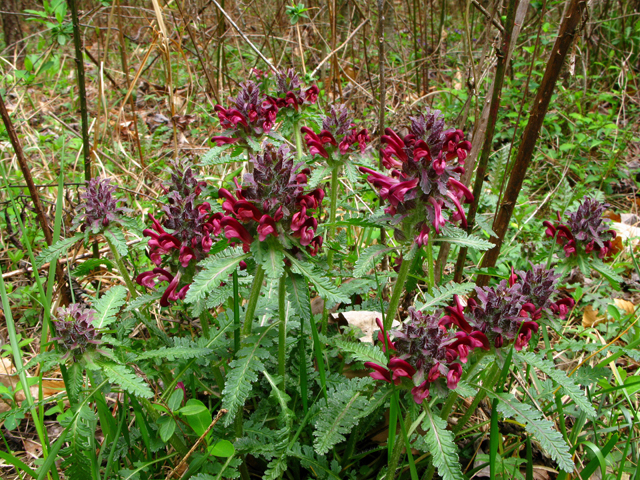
398, 288
256, 287
282, 330
122, 269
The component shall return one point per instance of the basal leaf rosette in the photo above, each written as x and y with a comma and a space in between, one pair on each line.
183, 237
510, 312
423, 188
273, 204
584, 232
338, 138
425, 355
250, 114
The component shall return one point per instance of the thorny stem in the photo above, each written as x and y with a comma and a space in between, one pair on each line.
256, 287
398, 288
282, 330
122, 269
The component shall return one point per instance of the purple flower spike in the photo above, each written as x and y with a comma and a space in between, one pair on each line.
75, 331
99, 208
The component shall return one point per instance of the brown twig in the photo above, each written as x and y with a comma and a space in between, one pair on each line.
193, 449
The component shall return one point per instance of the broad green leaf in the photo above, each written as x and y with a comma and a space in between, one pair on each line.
222, 448
197, 415
167, 427
175, 400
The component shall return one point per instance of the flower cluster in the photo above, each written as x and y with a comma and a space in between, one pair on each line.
99, 207
511, 310
192, 231
273, 202
425, 353
251, 114
585, 229
76, 333
338, 133
425, 175
290, 93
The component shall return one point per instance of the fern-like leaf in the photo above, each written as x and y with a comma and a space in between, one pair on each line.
215, 272
317, 464
116, 237
366, 258
346, 406
364, 352
298, 294
443, 294
144, 300
442, 446
172, 353
568, 385
127, 379
538, 426
269, 254
57, 249
108, 305
242, 374
79, 427
325, 288
458, 236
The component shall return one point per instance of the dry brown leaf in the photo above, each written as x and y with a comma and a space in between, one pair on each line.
32, 448
590, 317
625, 305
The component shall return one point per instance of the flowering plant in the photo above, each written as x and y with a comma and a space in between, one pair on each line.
425, 174
75, 331
585, 230
289, 92
98, 207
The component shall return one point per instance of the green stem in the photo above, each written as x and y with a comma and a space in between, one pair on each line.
397, 450
282, 330
333, 210
298, 136
398, 288
122, 269
453, 396
256, 287
492, 377
432, 281
236, 313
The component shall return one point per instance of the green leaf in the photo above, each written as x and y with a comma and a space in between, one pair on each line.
171, 353
116, 237
215, 272
282, 398
458, 236
298, 295
442, 446
569, 387
197, 415
167, 427
347, 404
127, 379
108, 305
143, 301
175, 399
242, 373
364, 352
317, 464
57, 249
318, 175
538, 426
215, 157
607, 272
443, 294
269, 254
222, 448
325, 288
365, 261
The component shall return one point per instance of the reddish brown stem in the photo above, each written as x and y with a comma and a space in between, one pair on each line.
568, 28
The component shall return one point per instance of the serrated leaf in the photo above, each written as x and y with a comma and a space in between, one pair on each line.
282, 398
126, 378
308, 460
214, 273
269, 254
458, 236
442, 295
172, 353
318, 175
91, 264
325, 288
568, 385
538, 426
345, 407
215, 157
364, 352
242, 374
57, 249
607, 272
116, 237
108, 305
366, 258
143, 300
442, 446
298, 295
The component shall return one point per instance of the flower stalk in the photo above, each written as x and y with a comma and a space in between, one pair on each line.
256, 287
282, 331
398, 288
122, 269
333, 206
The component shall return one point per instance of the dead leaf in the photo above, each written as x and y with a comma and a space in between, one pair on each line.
611, 215
182, 121
590, 317
33, 449
625, 305
155, 120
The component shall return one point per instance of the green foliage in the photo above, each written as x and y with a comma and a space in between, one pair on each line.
81, 428
324, 287
173, 353
367, 257
108, 305
364, 352
57, 249
123, 376
441, 445
216, 270
443, 294
457, 236
269, 254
